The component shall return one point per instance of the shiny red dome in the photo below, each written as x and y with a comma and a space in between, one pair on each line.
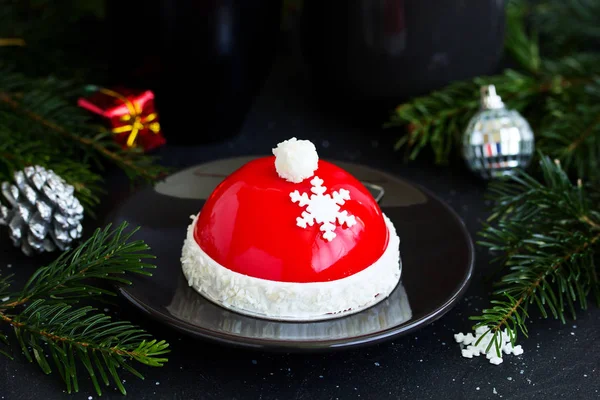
248, 225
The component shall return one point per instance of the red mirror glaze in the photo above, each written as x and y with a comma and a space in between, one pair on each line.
248, 225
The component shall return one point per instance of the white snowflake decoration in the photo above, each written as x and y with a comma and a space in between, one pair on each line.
324, 209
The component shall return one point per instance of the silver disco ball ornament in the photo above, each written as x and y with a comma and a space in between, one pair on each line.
497, 140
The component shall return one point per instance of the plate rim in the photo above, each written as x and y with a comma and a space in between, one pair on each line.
291, 346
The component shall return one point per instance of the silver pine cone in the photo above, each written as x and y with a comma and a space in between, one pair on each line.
44, 214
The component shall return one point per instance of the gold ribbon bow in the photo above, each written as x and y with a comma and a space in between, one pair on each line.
136, 121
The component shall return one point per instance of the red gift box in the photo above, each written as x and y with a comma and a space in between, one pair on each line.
132, 115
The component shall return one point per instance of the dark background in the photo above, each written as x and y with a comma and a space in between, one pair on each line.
232, 113
560, 361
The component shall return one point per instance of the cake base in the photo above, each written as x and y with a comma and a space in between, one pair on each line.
290, 301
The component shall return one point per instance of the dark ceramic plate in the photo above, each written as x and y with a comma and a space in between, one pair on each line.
436, 250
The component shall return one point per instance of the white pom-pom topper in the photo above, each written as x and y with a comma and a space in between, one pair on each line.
296, 160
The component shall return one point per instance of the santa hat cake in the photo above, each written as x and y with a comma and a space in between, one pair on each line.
292, 237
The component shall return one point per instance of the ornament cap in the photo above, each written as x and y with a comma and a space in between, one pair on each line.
489, 98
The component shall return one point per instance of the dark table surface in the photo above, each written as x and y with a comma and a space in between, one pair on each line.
560, 361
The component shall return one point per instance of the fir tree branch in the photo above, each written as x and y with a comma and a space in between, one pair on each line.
520, 44
4, 296
554, 269
5, 282
106, 256
68, 334
584, 135
571, 25
4, 342
572, 133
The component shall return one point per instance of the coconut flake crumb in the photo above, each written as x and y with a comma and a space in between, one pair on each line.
470, 348
5, 298
296, 160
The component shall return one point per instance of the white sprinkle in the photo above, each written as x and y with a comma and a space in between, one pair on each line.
496, 360
521, 371
5, 298
9, 265
509, 378
574, 326
477, 388
469, 338
89, 397
494, 391
572, 333
377, 364
106, 310
467, 353
157, 383
585, 375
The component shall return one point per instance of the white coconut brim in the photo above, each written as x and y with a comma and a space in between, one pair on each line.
290, 301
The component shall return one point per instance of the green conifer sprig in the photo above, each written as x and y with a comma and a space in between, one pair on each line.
547, 235
59, 336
